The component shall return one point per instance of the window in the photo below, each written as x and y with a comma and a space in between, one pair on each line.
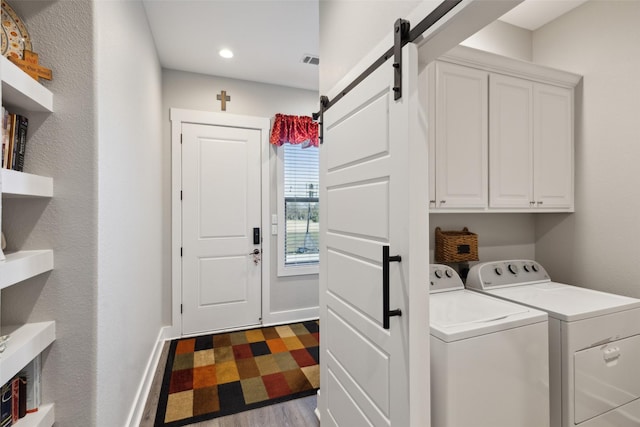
298, 213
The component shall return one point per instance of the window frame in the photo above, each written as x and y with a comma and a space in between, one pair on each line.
284, 270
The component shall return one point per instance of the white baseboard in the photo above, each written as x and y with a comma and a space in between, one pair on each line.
290, 316
137, 409
317, 410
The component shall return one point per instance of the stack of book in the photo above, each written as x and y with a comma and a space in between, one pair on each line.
14, 140
21, 395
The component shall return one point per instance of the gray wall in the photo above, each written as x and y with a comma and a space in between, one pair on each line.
500, 235
596, 246
198, 92
503, 39
130, 200
350, 29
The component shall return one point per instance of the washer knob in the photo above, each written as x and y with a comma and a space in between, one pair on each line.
498, 271
438, 274
513, 268
525, 268
448, 273
534, 267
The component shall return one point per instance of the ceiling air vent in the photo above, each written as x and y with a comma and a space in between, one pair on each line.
311, 59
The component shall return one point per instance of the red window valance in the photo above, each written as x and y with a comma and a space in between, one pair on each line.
294, 130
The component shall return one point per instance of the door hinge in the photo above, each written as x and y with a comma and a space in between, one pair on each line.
180, 251
180, 138
180, 308
180, 194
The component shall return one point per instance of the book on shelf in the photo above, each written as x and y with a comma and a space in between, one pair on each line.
14, 140
10, 405
31, 373
11, 130
15, 399
6, 131
2, 243
22, 124
6, 418
5, 138
21, 394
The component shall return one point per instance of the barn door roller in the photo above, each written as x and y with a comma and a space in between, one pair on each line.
400, 37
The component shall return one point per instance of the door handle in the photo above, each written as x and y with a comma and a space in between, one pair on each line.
256, 256
386, 312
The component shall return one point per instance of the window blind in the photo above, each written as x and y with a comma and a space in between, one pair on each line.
301, 188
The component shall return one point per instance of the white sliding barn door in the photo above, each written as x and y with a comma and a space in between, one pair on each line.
373, 172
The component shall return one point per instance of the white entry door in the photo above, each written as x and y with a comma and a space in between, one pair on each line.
221, 207
373, 173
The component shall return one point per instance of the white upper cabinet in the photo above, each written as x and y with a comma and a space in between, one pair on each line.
511, 162
530, 145
553, 147
460, 137
502, 137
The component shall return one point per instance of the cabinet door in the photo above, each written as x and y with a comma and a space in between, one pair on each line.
553, 147
426, 118
461, 137
510, 142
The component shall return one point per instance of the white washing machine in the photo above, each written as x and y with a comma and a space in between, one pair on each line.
594, 343
489, 358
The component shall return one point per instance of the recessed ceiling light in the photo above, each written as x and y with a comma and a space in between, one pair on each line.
226, 53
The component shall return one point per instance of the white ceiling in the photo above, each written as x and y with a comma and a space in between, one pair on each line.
533, 14
269, 37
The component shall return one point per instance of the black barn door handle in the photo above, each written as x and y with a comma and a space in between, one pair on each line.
386, 312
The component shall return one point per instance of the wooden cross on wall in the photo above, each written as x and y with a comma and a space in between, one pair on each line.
223, 98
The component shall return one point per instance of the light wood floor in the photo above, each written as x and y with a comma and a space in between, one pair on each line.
294, 413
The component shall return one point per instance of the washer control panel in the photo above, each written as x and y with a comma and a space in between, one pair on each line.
443, 278
505, 273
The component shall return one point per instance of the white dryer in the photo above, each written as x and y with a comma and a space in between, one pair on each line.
594, 346
489, 358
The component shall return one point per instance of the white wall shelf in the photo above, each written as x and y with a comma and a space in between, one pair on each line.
44, 417
22, 265
22, 94
21, 184
19, 90
26, 342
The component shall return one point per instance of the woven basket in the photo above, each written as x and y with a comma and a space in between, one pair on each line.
456, 246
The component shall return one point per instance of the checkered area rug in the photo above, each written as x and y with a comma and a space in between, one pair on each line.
215, 375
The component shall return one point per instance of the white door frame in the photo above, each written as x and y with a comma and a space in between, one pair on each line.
178, 117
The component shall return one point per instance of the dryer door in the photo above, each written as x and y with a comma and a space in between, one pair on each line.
606, 377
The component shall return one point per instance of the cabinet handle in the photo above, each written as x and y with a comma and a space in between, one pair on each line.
442, 202
386, 312
531, 203
540, 202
